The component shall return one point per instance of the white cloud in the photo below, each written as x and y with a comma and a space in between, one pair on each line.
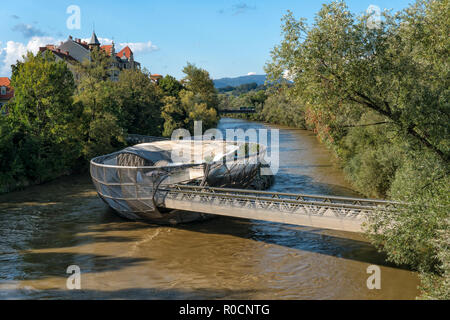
251, 74
14, 51
136, 47
103, 41
140, 47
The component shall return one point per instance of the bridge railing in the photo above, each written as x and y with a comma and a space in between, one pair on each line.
210, 193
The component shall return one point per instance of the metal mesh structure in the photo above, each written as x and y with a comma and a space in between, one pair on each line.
130, 181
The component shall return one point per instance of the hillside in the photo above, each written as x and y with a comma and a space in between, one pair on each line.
235, 82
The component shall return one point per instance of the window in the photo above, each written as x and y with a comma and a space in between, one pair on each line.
3, 91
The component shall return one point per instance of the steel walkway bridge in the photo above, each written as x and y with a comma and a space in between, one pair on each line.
325, 212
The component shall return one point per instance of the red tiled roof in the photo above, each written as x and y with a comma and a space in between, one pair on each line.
125, 51
5, 82
107, 48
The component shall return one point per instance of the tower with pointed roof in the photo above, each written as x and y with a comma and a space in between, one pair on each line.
94, 43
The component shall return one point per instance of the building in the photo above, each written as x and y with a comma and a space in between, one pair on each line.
76, 51
155, 78
6, 93
124, 60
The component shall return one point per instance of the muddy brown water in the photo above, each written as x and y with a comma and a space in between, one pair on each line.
44, 229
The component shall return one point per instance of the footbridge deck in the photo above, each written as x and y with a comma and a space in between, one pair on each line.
327, 212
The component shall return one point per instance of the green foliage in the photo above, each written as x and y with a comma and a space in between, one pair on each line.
43, 95
283, 108
55, 126
174, 115
184, 110
139, 103
342, 61
197, 102
417, 234
243, 88
39, 138
170, 86
200, 83
379, 97
437, 285
252, 99
99, 110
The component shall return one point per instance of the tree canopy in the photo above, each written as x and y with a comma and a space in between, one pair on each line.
378, 96
198, 101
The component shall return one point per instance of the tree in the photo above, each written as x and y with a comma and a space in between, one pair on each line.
170, 86
184, 110
139, 103
101, 116
197, 102
199, 82
42, 119
282, 108
341, 61
174, 115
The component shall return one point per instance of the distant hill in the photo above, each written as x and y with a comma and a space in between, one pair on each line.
243, 88
235, 82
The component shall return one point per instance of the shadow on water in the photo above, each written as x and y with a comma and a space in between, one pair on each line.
131, 293
338, 244
41, 265
59, 191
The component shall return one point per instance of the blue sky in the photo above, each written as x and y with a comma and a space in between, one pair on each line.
228, 38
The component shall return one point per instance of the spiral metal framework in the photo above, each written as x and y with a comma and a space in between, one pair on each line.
132, 191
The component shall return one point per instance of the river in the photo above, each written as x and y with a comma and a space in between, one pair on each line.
44, 229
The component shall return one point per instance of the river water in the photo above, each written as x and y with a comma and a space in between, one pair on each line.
44, 229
